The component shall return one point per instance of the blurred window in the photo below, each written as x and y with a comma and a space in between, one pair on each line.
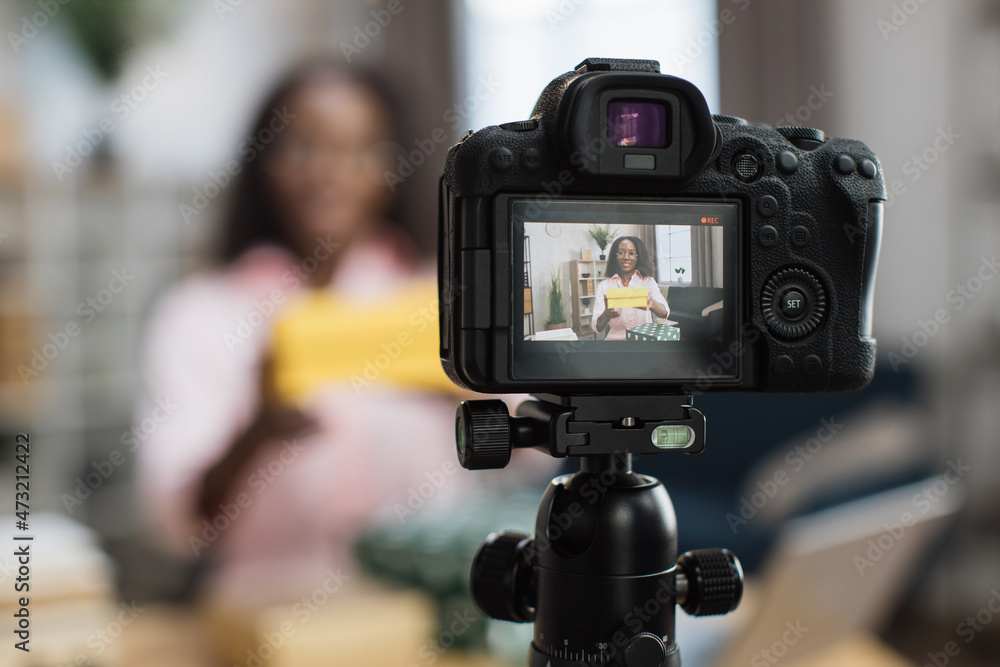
510, 50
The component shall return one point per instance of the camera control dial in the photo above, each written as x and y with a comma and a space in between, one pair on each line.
793, 303
804, 138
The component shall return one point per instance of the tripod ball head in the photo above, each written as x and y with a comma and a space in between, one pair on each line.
601, 576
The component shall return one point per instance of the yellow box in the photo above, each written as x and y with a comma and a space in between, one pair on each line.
322, 338
627, 297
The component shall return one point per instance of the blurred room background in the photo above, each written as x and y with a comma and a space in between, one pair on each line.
117, 121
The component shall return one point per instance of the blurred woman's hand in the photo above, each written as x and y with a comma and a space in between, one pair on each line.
274, 422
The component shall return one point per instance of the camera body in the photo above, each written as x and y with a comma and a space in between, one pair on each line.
777, 230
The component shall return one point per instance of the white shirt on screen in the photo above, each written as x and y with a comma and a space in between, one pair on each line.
630, 317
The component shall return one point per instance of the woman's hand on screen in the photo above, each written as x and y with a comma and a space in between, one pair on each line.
611, 312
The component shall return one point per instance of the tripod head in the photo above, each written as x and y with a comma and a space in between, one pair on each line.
601, 576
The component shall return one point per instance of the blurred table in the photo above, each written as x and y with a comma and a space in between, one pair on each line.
173, 637
390, 628
165, 636
856, 651
72, 609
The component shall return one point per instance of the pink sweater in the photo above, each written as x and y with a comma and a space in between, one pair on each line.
303, 502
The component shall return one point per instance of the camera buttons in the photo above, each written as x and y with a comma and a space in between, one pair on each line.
800, 236
784, 364
868, 169
767, 236
845, 164
767, 206
746, 166
531, 159
501, 159
787, 162
812, 365
793, 304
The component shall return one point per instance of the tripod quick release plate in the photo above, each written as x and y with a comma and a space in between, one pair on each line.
577, 426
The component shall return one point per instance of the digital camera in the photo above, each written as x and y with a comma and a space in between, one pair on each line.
623, 240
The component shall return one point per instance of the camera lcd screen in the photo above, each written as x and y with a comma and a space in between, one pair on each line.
625, 289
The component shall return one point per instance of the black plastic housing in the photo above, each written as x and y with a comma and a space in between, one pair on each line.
832, 189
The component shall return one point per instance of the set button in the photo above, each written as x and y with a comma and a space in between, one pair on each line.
793, 303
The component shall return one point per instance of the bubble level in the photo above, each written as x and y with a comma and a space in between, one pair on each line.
672, 436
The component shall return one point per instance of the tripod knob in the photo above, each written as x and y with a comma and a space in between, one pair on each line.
502, 577
645, 650
482, 434
714, 581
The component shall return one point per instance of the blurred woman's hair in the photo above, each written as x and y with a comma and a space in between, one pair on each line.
643, 260
252, 217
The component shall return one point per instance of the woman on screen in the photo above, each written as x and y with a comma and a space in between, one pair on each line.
629, 265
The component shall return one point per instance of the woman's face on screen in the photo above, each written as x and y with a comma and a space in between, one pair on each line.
627, 255
328, 165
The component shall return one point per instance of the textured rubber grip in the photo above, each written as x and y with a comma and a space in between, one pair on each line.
715, 581
483, 435
794, 132
498, 576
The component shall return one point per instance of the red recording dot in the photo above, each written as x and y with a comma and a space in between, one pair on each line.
704, 219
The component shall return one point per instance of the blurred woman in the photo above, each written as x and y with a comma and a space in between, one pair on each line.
274, 490
629, 265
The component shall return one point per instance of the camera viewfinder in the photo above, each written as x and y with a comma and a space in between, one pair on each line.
638, 123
